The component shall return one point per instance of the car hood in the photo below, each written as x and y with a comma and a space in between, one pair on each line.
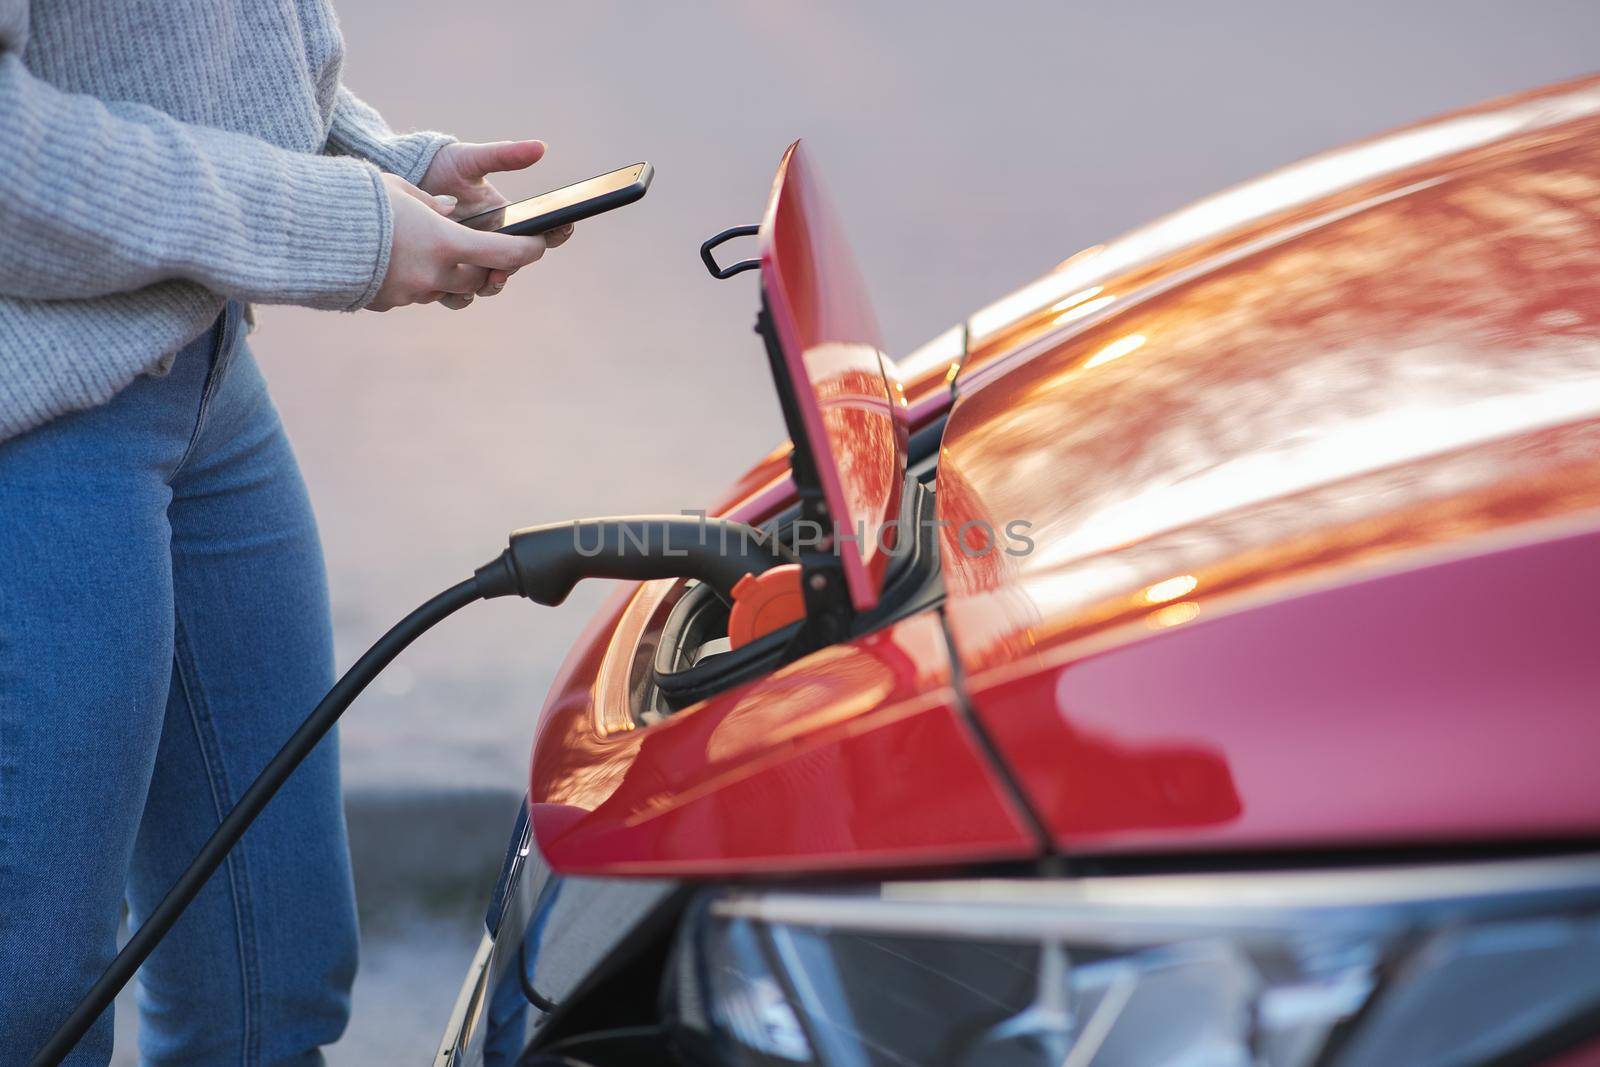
1353, 427
1291, 503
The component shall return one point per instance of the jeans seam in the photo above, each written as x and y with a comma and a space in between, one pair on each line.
219, 363
222, 799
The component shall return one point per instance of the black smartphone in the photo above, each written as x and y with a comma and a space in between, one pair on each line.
580, 200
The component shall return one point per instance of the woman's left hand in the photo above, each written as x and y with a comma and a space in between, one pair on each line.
461, 170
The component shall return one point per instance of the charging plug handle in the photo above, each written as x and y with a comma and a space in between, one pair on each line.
543, 563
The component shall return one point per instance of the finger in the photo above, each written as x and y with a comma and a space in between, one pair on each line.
558, 236
474, 198
495, 283
475, 161
486, 198
443, 204
462, 279
456, 301
497, 250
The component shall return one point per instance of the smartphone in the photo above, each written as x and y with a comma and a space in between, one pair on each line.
580, 200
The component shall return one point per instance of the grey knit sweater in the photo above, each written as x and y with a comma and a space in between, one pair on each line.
159, 156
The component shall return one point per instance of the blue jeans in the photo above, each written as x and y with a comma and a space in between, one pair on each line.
163, 629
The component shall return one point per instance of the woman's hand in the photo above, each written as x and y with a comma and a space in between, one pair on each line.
433, 258
462, 170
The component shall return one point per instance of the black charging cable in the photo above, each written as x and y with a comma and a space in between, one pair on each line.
542, 563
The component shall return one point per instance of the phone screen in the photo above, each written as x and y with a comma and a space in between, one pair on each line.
555, 199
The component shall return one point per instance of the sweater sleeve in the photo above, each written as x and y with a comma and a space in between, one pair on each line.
110, 197
358, 130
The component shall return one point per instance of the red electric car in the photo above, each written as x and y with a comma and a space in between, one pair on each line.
1191, 660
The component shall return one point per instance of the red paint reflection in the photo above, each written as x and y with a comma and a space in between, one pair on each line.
829, 334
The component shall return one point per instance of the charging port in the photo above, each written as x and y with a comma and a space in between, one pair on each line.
694, 658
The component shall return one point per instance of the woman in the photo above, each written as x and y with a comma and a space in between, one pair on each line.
163, 611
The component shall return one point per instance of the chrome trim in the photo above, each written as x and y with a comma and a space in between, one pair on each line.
510, 871
1086, 909
468, 1008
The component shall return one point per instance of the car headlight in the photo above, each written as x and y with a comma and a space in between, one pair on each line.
1399, 967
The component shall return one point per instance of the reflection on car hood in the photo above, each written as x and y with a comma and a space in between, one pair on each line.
1419, 368
1320, 438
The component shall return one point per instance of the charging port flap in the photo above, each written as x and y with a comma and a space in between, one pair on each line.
833, 383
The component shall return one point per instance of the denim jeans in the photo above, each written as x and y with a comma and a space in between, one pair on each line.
163, 629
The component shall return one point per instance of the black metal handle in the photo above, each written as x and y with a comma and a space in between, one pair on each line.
733, 268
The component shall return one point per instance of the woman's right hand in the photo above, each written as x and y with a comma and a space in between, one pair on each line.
433, 258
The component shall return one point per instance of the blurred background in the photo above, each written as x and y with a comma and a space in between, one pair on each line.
969, 147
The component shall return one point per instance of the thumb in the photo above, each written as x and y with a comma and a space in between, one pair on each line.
475, 161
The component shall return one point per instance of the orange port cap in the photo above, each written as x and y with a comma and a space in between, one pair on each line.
764, 603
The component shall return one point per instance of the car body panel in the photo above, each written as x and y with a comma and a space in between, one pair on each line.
1408, 377
1309, 476
1373, 386
1433, 705
1415, 377
825, 764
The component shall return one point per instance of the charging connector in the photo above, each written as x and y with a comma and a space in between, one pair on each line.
541, 563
